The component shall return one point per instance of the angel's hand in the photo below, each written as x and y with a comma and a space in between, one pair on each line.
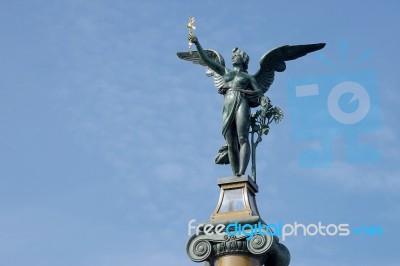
264, 101
192, 38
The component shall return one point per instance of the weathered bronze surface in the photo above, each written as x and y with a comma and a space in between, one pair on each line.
243, 91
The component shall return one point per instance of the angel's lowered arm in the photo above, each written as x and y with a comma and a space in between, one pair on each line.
254, 84
218, 68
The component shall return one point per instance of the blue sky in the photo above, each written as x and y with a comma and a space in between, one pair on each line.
107, 139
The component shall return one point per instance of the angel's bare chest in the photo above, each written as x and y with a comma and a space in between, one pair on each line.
236, 80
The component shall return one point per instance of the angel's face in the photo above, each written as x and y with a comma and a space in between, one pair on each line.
237, 59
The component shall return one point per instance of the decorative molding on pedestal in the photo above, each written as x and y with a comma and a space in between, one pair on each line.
210, 247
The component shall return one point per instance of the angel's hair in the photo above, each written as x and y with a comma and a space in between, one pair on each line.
244, 56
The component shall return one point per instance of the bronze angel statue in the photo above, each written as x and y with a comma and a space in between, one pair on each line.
242, 91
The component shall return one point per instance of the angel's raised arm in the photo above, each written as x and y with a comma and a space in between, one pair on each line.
215, 66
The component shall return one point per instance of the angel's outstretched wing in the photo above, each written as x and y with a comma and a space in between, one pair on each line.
274, 60
195, 58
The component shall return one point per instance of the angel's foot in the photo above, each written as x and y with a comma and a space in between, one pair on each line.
238, 175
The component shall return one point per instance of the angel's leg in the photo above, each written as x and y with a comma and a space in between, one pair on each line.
242, 125
233, 148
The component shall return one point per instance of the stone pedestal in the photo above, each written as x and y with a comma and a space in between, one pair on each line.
238, 244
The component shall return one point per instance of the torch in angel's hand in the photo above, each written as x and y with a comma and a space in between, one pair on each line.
191, 28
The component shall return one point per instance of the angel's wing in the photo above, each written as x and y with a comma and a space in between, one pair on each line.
274, 60
194, 57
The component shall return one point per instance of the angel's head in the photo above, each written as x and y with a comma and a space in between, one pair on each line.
240, 57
